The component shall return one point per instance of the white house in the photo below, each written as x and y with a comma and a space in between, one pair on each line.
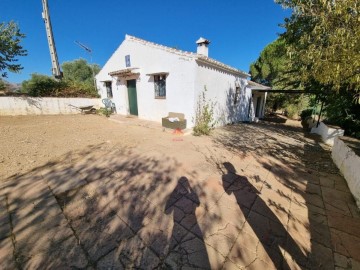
150, 80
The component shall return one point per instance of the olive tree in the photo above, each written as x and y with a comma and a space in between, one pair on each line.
323, 41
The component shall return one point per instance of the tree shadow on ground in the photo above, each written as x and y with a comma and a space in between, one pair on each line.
99, 208
275, 118
266, 225
302, 173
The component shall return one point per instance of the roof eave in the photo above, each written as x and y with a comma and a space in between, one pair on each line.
222, 66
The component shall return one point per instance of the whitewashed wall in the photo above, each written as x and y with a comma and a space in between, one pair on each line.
348, 163
220, 87
30, 105
185, 81
179, 82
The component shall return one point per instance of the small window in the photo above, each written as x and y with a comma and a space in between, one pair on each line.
237, 95
160, 86
108, 86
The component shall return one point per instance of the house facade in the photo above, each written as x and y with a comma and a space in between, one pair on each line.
149, 80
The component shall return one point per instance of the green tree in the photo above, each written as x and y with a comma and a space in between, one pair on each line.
45, 86
42, 86
323, 41
272, 66
10, 48
2, 85
79, 71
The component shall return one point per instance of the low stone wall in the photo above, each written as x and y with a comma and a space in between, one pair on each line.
346, 155
30, 105
328, 133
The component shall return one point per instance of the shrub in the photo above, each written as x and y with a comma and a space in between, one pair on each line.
104, 111
292, 111
341, 109
204, 115
44, 86
306, 113
41, 86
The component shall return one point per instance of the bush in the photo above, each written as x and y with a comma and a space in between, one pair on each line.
41, 86
306, 114
204, 115
75, 89
104, 111
341, 109
292, 111
44, 86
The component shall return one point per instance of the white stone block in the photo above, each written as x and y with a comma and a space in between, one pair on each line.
328, 133
348, 162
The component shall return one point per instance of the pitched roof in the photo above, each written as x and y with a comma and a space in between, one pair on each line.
257, 86
198, 57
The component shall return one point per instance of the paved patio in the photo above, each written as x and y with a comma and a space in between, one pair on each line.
252, 196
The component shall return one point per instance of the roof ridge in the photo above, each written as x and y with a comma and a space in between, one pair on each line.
129, 37
191, 54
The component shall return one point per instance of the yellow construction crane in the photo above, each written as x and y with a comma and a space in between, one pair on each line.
50, 37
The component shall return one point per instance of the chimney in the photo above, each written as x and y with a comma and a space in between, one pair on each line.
203, 46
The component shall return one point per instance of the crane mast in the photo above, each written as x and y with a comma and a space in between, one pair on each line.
50, 37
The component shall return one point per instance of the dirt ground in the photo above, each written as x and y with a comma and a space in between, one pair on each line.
32, 141
87, 192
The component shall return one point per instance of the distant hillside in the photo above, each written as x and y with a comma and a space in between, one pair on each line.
8, 88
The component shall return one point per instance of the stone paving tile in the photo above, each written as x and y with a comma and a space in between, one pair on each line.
220, 243
301, 236
216, 260
355, 264
7, 261
110, 261
132, 253
211, 192
226, 212
99, 230
5, 229
258, 170
67, 255
344, 223
27, 190
41, 236
191, 252
241, 256
64, 180
277, 203
345, 244
321, 257
342, 261
264, 208
290, 263
337, 201
310, 231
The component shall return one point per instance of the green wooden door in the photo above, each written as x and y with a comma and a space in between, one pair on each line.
131, 86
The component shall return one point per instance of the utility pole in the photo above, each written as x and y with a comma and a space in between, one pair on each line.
50, 37
89, 51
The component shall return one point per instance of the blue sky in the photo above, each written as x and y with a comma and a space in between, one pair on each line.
238, 30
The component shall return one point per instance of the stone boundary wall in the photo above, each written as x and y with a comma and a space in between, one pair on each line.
36, 106
346, 155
